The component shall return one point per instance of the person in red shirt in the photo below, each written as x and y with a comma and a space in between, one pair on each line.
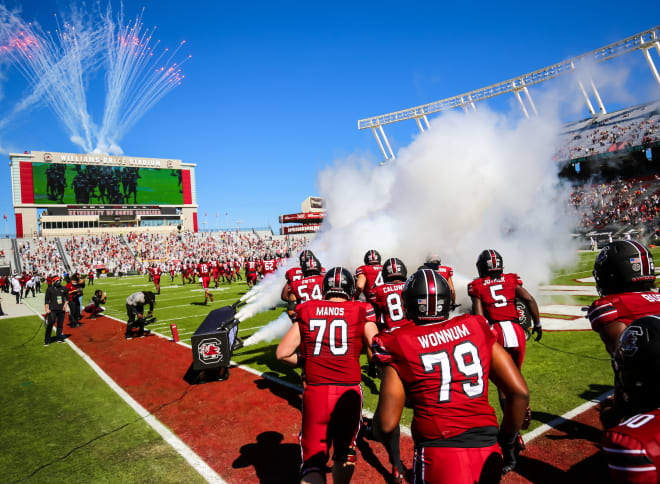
154, 270
215, 271
494, 296
369, 274
251, 272
237, 268
269, 265
204, 271
90, 277
386, 298
625, 278
329, 335
441, 367
631, 443
434, 262
310, 287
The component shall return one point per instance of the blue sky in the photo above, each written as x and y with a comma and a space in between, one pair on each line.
273, 90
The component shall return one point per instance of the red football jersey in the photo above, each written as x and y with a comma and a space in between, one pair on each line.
445, 271
204, 269
632, 450
373, 274
293, 274
498, 296
251, 266
624, 307
269, 266
307, 288
444, 367
331, 340
386, 298
155, 271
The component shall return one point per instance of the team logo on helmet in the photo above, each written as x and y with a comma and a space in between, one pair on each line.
209, 350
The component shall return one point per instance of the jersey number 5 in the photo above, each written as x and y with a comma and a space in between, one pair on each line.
500, 299
468, 364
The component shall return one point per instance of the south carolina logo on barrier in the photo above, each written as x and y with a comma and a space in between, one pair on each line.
209, 350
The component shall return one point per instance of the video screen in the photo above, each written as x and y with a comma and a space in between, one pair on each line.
57, 183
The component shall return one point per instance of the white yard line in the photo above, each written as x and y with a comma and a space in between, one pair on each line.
553, 424
195, 461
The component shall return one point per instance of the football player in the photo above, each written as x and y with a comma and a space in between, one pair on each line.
295, 273
369, 274
155, 271
441, 367
310, 287
625, 278
386, 298
494, 297
631, 447
251, 271
204, 271
330, 335
434, 262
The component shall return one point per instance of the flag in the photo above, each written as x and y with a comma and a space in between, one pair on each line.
5, 216
205, 214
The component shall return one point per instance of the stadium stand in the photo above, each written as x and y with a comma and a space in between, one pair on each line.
608, 133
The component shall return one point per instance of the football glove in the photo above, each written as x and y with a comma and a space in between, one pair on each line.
507, 443
538, 331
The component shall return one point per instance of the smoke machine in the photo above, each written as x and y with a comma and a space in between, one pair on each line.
216, 339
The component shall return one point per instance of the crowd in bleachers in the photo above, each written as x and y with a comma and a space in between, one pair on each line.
190, 247
620, 203
612, 132
105, 251
40, 255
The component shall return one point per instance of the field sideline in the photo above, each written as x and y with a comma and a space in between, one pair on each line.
550, 369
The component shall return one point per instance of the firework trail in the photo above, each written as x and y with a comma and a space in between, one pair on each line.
137, 76
59, 66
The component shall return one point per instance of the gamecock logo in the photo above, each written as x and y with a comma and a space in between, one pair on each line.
209, 350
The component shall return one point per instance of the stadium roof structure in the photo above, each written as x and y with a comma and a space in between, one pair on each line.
643, 41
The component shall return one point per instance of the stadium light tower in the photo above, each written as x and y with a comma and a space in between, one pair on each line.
644, 41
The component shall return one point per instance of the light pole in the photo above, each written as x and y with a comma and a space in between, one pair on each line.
238, 225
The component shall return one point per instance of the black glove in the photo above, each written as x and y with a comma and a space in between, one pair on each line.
507, 443
538, 330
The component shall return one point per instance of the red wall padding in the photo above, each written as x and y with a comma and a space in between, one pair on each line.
187, 193
19, 225
27, 184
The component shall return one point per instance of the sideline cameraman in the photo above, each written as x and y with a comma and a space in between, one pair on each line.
135, 310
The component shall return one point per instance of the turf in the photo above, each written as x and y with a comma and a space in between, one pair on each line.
550, 366
62, 423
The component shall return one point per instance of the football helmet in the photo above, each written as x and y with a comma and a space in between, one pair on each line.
489, 263
636, 364
304, 255
372, 258
338, 282
310, 266
426, 297
624, 266
394, 270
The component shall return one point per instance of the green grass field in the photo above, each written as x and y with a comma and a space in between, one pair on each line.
58, 412
62, 423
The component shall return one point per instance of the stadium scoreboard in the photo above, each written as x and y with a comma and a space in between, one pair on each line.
75, 194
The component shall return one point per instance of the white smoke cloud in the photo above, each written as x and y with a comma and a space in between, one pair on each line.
471, 182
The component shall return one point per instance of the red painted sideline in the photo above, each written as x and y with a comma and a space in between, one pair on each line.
568, 454
245, 428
